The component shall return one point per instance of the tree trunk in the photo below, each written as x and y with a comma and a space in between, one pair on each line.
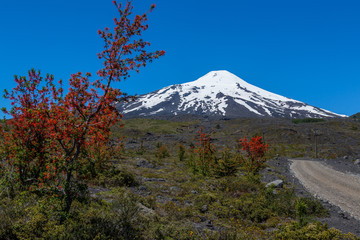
68, 193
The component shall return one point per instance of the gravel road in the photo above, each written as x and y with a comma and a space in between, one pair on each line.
337, 188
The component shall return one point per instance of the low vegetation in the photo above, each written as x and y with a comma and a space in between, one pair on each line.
356, 117
158, 194
307, 120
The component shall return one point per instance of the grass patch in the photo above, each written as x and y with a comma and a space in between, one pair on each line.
308, 120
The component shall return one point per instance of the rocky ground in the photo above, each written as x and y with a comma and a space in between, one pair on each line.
279, 168
339, 138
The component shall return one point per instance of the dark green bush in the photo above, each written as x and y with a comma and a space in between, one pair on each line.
116, 177
162, 152
308, 120
301, 212
282, 203
27, 217
181, 152
227, 165
314, 231
314, 208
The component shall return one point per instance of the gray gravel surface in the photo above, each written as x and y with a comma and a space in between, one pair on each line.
338, 188
338, 217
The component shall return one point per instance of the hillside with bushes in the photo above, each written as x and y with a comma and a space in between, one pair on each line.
185, 180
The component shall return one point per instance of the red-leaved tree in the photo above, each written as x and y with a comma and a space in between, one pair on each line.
51, 132
205, 151
255, 151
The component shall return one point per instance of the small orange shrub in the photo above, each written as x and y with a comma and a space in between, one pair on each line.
255, 151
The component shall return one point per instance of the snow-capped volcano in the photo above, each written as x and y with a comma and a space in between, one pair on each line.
219, 94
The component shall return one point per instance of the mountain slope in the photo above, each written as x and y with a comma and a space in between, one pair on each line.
356, 116
219, 94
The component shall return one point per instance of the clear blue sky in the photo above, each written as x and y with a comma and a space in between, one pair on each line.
307, 50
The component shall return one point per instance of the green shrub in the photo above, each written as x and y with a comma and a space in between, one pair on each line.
301, 212
315, 231
314, 208
116, 177
354, 128
141, 149
237, 186
282, 202
253, 209
205, 199
227, 165
162, 152
191, 161
308, 120
28, 217
181, 152
178, 230
202, 157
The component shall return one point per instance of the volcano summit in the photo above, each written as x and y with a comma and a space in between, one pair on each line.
219, 94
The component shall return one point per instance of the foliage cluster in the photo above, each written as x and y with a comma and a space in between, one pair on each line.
161, 151
56, 141
205, 159
255, 151
308, 120
27, 217
181, 152
316, 231
241, 207
205, 153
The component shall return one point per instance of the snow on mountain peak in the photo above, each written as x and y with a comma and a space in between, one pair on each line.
225, 81
220, 93
219, 77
